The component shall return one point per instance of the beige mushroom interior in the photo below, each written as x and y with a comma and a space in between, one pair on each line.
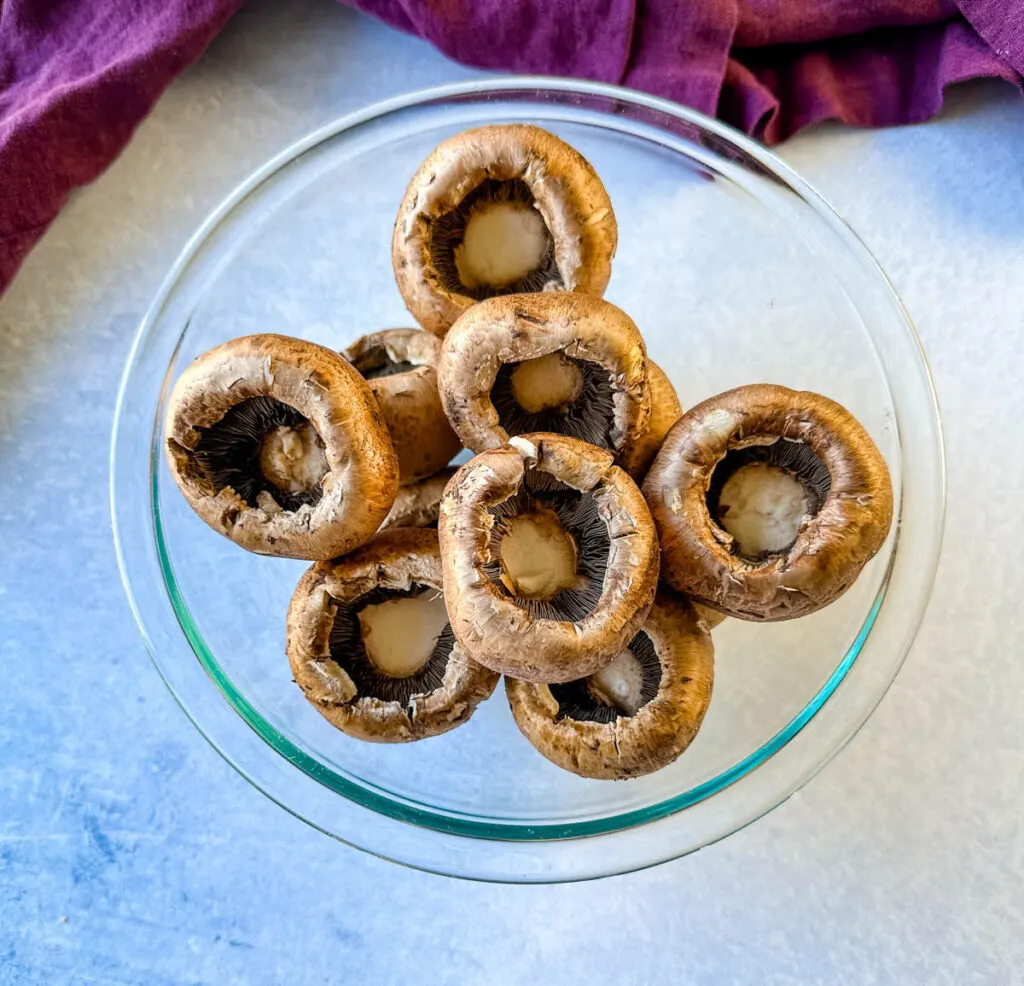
538, 556
619, 684
495, 241
763, 507
502, 243
293, 458
400, 634
547, 382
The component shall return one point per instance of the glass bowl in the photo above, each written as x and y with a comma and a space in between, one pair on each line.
736, 272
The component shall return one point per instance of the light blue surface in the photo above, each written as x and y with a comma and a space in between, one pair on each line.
131, 853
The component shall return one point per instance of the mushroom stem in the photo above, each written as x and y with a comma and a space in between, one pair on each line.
768, 502
279, 445
502, 243
370, 646
538, 556
711, 617
545, 362
598, 593
400, 634
762, 507
293, 458
620, 684
500, 210
547, 382
635, 715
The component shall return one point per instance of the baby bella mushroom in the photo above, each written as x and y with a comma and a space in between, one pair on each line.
561, 363
638, 713
666, 410
768, 502
370, 645
418, 504
399, 365
550, 558
278, 444
500, 210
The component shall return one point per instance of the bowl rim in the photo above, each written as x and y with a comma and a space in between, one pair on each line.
533, 88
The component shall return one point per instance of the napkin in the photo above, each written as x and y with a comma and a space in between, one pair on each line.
77, 76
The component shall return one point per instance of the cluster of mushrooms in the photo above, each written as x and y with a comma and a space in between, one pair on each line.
597, 535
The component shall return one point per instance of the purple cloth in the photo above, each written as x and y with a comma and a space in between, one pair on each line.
77, 76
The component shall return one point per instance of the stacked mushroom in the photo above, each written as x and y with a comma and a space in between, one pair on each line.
762, 503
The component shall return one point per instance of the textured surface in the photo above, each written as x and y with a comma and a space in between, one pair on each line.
130, 853
78, 75
76, 79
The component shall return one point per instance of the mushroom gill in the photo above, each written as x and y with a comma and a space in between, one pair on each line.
371, 647
549, 555
635, 715
495, 211
279, 445
560, 363
768, 502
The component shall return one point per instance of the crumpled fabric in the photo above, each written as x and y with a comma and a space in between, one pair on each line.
77, 76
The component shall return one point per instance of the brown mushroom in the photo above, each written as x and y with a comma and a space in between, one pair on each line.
638, 713
711, 617
370, 645
768, 502
666, 410
278, 444
500, 210
561, 363
418, 504
400, 367
550, 558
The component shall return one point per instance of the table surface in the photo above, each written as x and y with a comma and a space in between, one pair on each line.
131, 853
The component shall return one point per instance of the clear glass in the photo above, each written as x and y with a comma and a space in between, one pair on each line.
736, 272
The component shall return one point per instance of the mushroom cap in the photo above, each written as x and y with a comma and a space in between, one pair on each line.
409, 401
489, 624
419, 503
711, 617
830, 548
362, 479
396, 559
657, 733
665, 412
513, 328
567, 192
